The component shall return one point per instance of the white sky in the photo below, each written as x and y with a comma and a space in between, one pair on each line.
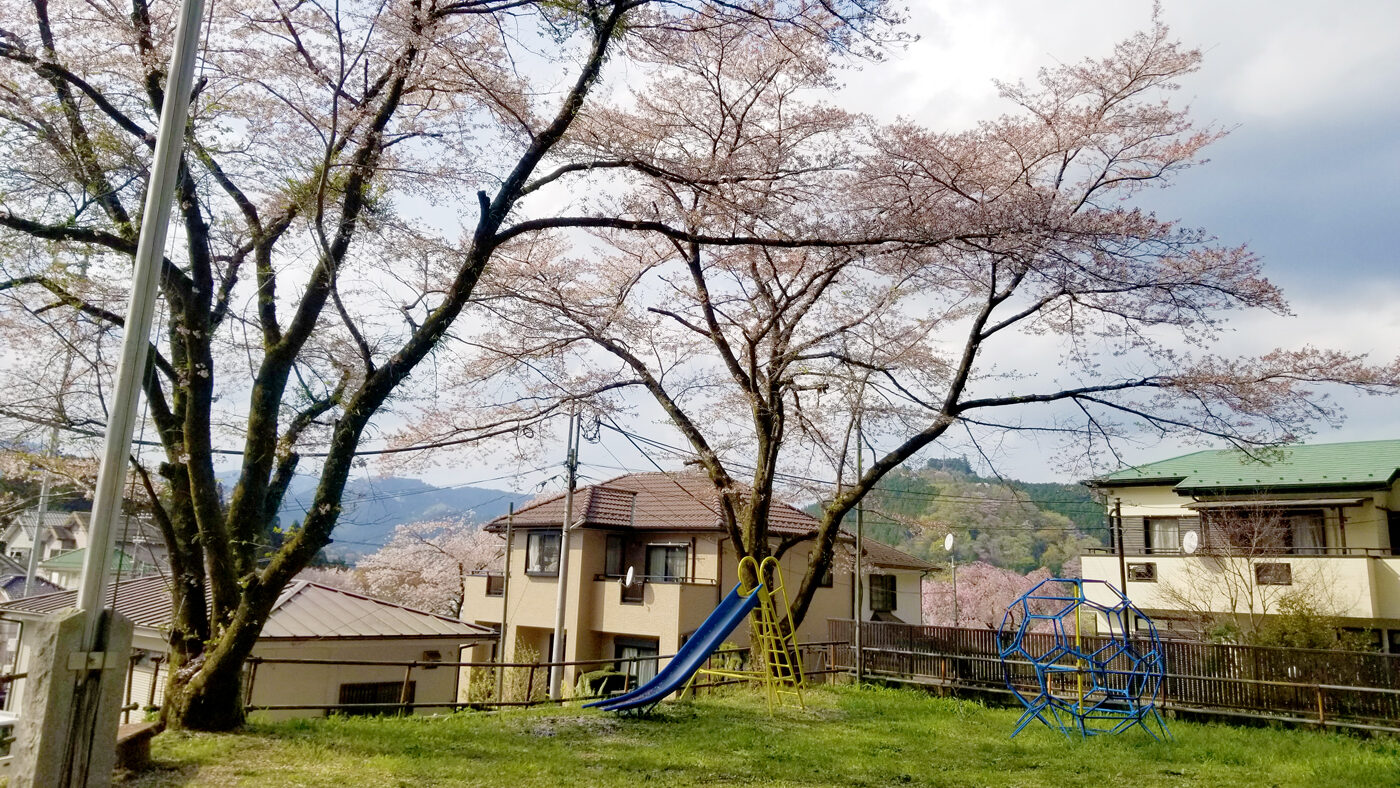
1309, 176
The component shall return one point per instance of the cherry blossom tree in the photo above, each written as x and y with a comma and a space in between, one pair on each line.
983, 594
425, 565
790, 269
351, 172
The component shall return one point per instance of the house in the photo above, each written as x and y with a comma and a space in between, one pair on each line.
663, 531
13, 575
308, 621
1230, 534
65, 532
65, 570
13, 582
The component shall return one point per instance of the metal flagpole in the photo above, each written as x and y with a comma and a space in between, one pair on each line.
107, 499
155, 220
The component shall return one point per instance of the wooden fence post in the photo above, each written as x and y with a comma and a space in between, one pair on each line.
406, 691
252, 676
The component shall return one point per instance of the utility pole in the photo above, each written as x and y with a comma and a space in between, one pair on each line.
860, 548
556, 671
953, 570
46, 485
44, 488
505, 607
1118, 534
69, 739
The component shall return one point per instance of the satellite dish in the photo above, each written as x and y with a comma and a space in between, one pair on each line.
627, 581
1190, 541
948, 543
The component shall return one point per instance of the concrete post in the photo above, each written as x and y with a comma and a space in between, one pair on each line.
58, 664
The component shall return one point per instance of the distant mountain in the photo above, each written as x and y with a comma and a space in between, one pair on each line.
1015, 525
372, 508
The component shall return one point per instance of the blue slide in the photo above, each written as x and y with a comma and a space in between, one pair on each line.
735, 608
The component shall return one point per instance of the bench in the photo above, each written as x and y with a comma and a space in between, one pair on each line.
134, 745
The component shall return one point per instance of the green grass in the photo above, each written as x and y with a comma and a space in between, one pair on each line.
844, 737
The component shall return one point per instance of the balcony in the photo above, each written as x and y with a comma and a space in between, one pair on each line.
651, 605
1356, 583
1375, 552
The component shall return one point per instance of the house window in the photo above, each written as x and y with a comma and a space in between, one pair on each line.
1142, 573
542, 553
1163, 535
1393, 520
828, 578
640, 669
666, 562
1308, 535
634, 594
616, 556
377, 692
882, 593
495, 585
1273, 574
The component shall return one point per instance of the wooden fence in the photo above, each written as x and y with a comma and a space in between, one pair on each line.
1340, 688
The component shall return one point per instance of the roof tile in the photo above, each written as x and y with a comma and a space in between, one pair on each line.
685, 501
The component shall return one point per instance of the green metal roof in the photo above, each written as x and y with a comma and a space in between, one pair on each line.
1359, 464
72, 561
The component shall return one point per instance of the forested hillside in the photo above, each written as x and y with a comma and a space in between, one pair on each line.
1015, 525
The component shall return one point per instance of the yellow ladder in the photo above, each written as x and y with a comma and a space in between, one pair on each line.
782, 661
781, 667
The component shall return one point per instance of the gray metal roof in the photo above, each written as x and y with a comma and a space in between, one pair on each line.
305, 610
311, 610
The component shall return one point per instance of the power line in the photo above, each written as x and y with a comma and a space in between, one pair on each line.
795, 477
373, 497
93, 433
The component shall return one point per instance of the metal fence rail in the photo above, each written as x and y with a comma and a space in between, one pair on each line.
1340, 688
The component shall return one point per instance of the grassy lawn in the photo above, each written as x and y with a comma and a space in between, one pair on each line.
845, 737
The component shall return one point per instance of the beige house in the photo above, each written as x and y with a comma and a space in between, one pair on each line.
309, 621
1226, 533
663, 531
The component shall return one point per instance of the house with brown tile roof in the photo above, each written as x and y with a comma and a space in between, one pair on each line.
663, 531
308, 621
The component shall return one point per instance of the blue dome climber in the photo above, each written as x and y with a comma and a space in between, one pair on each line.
1080, 657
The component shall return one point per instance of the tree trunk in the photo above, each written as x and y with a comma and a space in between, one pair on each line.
205, 691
